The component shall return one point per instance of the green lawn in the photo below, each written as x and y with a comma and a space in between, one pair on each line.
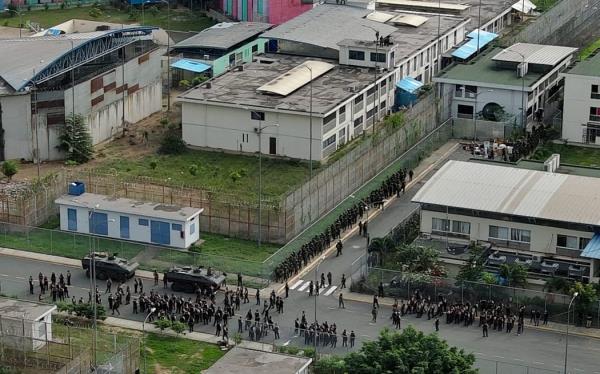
59, 243
236, 175
168, 354
569, 154
224, 254
589, 49
544, 5
181, 19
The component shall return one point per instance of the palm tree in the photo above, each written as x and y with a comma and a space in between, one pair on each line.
515, 274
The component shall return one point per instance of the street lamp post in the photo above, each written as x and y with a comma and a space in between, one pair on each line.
567, 332
310, 140
168, 54
367, 236
92, 219
20, 14
259, 130
152, 310
376, 86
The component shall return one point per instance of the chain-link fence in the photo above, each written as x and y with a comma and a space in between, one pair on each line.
404, 286
42, 347
501, 367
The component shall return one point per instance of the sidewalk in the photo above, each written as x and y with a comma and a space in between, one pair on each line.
198, 336
558, 328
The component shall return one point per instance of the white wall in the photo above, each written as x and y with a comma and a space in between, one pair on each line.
543, 238
577, 103
16, 122
136, 232
510, 100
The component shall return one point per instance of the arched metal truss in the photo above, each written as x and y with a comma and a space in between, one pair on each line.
81, 54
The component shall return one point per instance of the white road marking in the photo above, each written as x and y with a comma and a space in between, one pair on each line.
3, 275
481, 354
286, 343
20, 278
578, 369
518, 359
304, 286
330, 291
538, 363
498, 356
296, 284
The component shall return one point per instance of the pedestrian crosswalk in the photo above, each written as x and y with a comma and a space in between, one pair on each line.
303, 286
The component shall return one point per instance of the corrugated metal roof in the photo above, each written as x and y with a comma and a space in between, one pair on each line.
534, 54
409, 20
520, 192
295, 78
326, 25
224, 35
190, 65
524, 6
470, 47
592, 249
380, 16
425, 4
409, 84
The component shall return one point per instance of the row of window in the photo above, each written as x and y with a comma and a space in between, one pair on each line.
513, 235
571, 242
457, 227
360, 56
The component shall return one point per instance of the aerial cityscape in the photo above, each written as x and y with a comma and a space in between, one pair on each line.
299, 186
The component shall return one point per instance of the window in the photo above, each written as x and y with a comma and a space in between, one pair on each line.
438, 224
232, 59
176, 227
407, 67
370, 91
272, 145
342, 110
460, 227
358, 121
329, 118
377, 57
358, 100
566, 241
257, 116
497, 232
520, 235
255, 48
329, 141
382, 105
421, 59
595, 114
356, 55
72, 219
583, 242
465, 111
370, 112
415, 64
124, 227
459, 89
427, 55
192, 228
143, 222
595, 91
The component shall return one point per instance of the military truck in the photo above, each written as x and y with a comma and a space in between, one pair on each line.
188, 279
109, 266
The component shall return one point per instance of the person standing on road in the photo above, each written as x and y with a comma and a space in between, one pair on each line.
257, 296
352, 338
30, 285
310, 288
380, 289
343, 285
375, 302
165, 281
341, 302
108, 285
68, 277
374, 314
329, 277
484, 327
240, 283
287, 290
344, 338
339, 247
437, 324
155, 277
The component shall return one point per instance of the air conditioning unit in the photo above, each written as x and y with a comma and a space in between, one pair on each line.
208, 85
522, 69
206, 57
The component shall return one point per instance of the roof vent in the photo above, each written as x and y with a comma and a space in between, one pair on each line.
206, 57
240, 68
522, 69
208, 85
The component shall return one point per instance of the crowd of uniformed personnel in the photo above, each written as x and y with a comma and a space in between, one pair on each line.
395, 184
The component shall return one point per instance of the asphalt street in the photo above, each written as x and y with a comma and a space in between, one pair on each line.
536, 349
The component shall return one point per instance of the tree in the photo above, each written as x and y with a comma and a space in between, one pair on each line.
472, 270
488, 278
172, 144
586, 300
416, 259
9, 168
163, 324
558, 284
82, 310
515, 274
407, 352
75, 140
381, 245
178, 327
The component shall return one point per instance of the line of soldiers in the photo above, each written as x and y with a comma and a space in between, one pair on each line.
291, 265
57, 287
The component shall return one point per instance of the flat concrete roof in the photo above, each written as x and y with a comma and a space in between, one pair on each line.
489, 9
240, 87
129, 206
28, 310
245, 361
589, 67
482, 70
224, 35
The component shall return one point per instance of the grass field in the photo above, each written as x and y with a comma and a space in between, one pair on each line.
181, 19
589, 49
569, 154
54, 242
235, 175
168, 354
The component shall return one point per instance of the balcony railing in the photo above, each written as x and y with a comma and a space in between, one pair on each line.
327, 151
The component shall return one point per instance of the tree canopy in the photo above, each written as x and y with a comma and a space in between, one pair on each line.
407, 352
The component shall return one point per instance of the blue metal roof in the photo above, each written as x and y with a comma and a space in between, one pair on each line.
409, 85
470, 47
592, 249
190, 65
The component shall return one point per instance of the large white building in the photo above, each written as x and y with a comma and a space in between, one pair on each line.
547, 217
581, 110
506, 81
110, 76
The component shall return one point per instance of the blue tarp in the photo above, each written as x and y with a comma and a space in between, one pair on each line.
470, 47
190, 65
409, 85
592, 249
53, 32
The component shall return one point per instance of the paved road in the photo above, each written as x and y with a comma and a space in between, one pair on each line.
538, 349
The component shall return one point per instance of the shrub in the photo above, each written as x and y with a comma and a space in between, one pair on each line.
184, 83
163, 324
95, 12
193, 169
178, 327
197, 80
9, 169
153, 164
172, 144
153, 10
82, 310
235, 176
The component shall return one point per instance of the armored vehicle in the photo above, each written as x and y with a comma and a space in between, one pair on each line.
188, 279
109, 266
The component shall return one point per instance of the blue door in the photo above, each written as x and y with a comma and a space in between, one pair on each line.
124, 226
72, 219
99, 223
160, 232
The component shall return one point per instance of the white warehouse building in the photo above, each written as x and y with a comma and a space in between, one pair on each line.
127, 219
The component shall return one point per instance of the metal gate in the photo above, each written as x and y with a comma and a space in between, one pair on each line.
160, 232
